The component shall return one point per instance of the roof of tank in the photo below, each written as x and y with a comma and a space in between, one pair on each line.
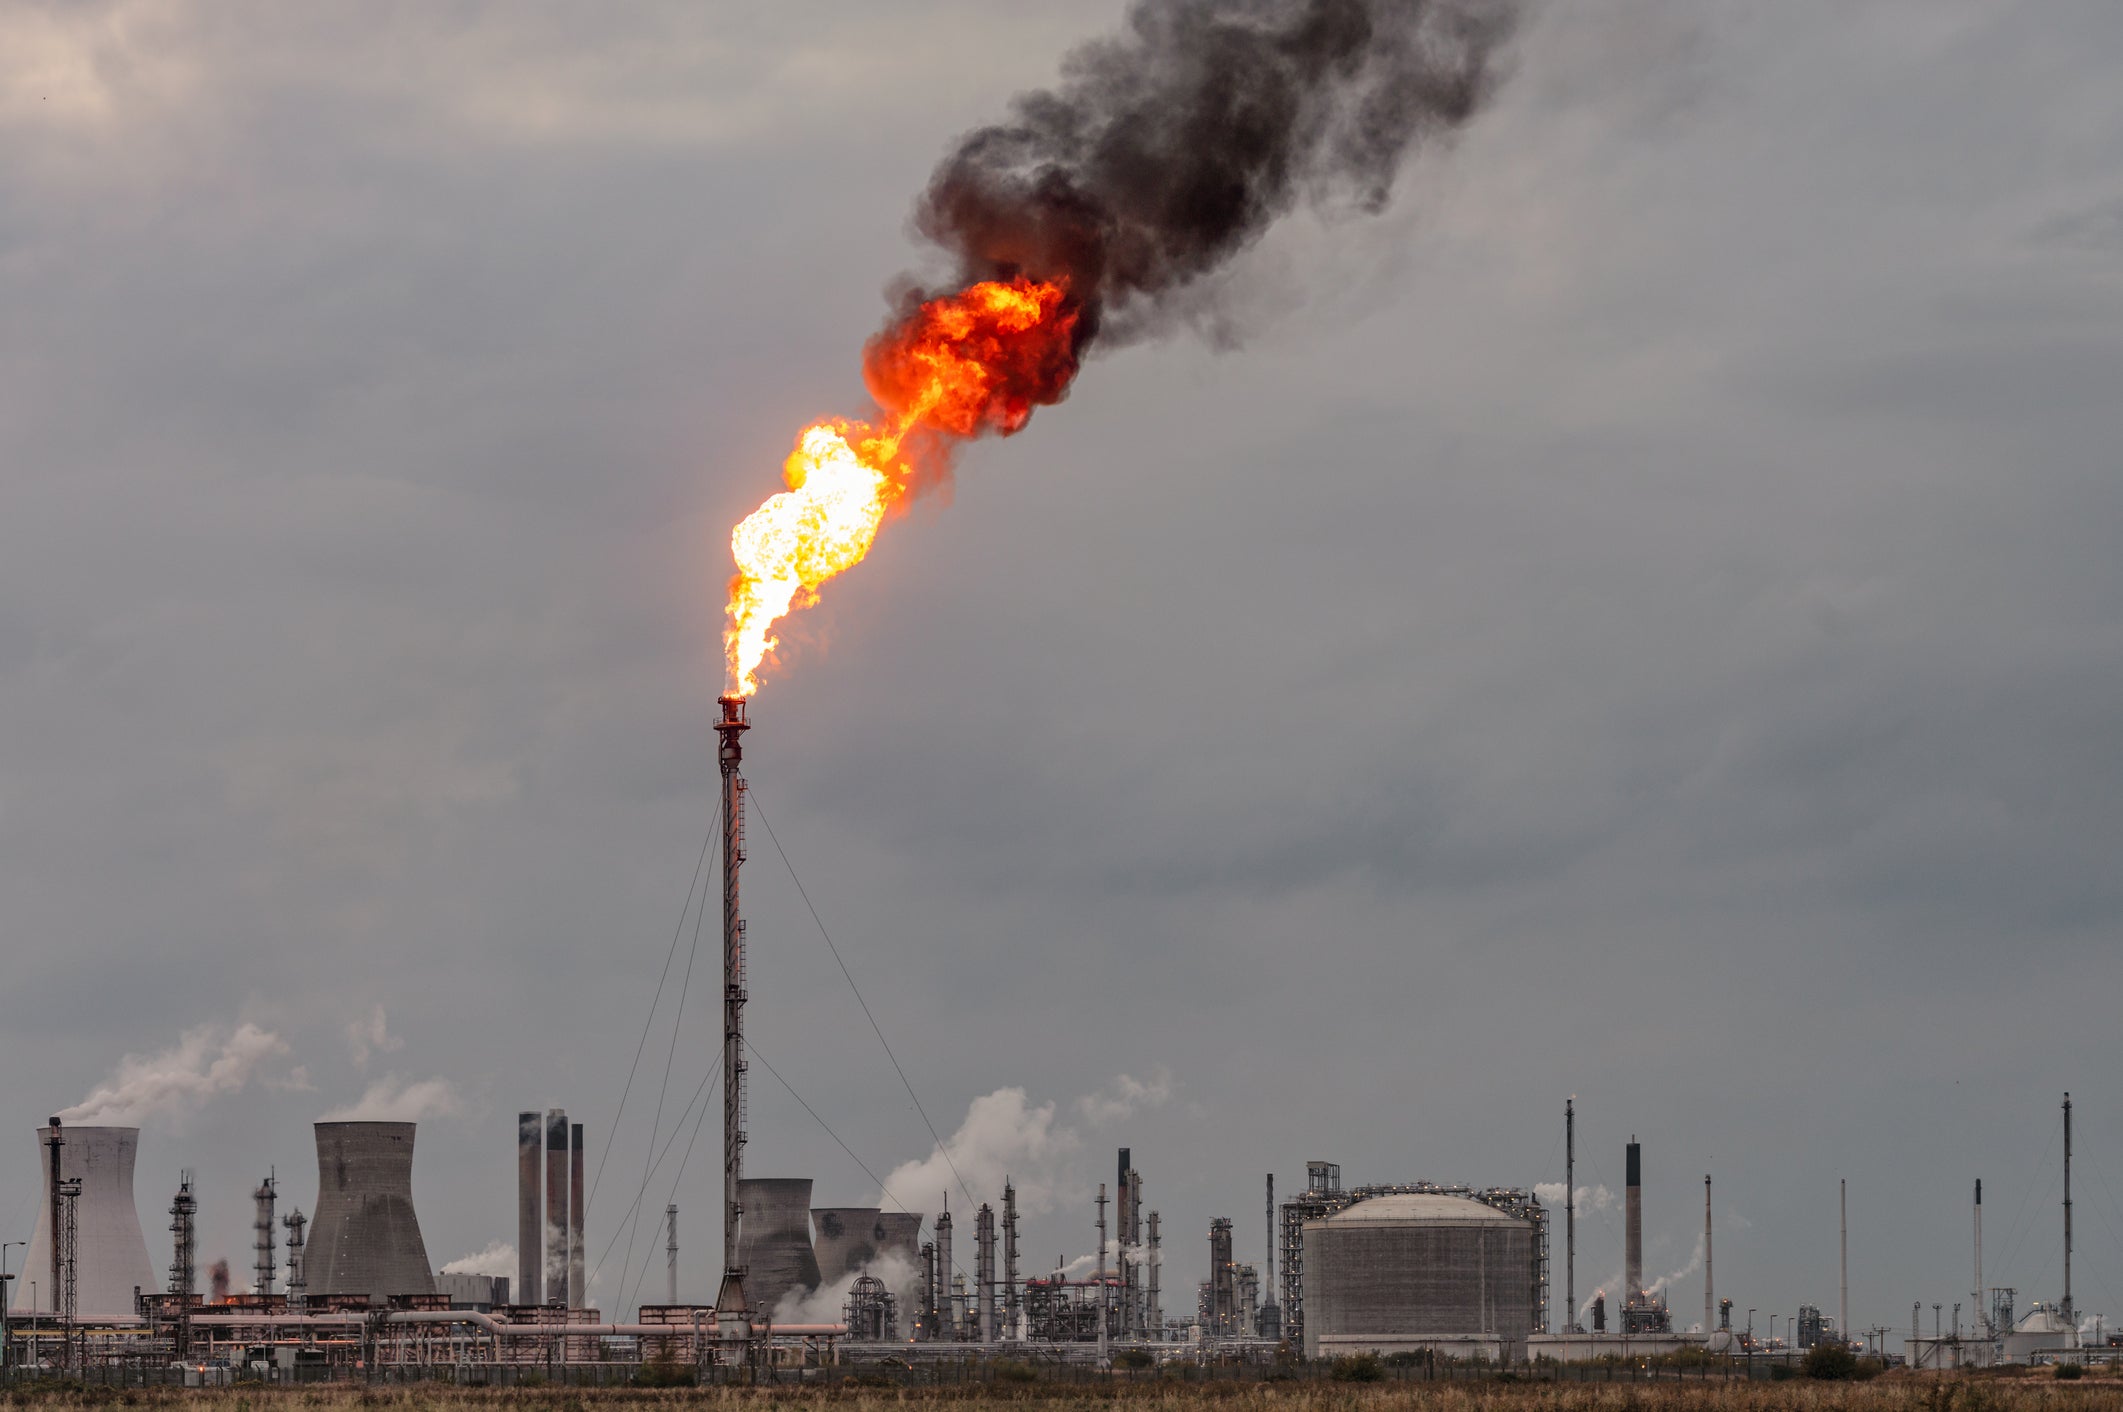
1423, 1207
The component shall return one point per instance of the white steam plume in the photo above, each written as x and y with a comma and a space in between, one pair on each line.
1589, 1198
206, 1060
392, 1099
499, 1258
1004, 1138
1007, 1137
371, 1035
1125, 1097
1663, 1282
825, 1304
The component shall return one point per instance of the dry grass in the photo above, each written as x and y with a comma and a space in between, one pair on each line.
1892, 1394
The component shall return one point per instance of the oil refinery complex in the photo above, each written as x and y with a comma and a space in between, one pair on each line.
1400, 1270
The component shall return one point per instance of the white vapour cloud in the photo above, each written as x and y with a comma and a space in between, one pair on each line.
1589, 1198
206, 1060
1695, 1263
1125, 1097
825, 1304
371, 1035
1004, 1137
392, 1099
499, 1258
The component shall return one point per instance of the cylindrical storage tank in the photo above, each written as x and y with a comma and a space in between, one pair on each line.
1412, 1271
364, 1238
110, 1256
774, 1241
845, 1239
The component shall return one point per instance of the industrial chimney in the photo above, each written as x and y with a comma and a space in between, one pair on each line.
110, 1253
530, 1236
364, 1238
1633, 1217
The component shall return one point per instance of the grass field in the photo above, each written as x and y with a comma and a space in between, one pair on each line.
1888, 1394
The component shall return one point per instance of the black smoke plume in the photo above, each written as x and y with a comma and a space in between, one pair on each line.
1171, 147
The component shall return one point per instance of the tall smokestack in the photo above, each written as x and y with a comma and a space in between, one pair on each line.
670, 1254
1633, 1214
530, 1228
1843, 1258
1570, 1214
1709, 1270
556, 1209
1982, 1308
576, 1293
2071, 1315
732, 1314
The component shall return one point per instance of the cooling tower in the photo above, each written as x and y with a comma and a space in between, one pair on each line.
846, 1239
774, 1243
110, 1256
364, 1237
901, 1231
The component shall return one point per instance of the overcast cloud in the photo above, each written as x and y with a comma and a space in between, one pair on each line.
1639, 619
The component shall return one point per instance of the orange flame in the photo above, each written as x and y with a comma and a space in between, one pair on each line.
954, 368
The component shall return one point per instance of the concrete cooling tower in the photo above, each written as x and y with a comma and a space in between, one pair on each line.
774, 1243
110, 1257
900, 1231
846, 1238
364, 1238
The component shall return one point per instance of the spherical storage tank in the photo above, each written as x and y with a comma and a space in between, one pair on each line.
1410, 1271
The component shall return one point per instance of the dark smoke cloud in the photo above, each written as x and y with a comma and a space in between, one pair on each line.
1168, 149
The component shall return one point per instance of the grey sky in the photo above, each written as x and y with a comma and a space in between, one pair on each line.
1640, 619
